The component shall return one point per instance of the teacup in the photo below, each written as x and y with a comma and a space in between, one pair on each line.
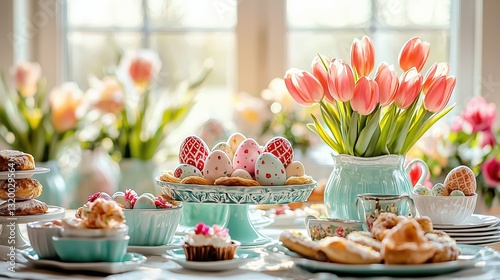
321, 228
370, 205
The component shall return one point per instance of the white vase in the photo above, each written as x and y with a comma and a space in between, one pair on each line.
96, 172
54, 187
137, 175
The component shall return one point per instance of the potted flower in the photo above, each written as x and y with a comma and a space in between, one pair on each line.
39, 123
370, 123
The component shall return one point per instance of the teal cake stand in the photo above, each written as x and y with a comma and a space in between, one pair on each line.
239, 199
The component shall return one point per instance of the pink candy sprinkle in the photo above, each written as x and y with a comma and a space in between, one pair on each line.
201, 228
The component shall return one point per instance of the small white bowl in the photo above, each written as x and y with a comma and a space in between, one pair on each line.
40, 236
445, 210
95, 233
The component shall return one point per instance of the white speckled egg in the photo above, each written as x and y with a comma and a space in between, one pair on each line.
144, 202
226, 148
184, 170
295, 168
241, 173
269, 171
235, 140
217, 165
246, 155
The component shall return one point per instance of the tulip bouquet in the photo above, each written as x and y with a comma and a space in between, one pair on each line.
32, 120
370, 116
133, 117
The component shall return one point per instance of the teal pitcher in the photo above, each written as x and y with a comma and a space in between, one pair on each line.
357, 175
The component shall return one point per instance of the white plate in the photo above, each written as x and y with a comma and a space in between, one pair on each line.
469, 257
470, 238
262, 222
474, 221
177, 242
288, 220
472, 231
103, 267
20, 174
480, 242
240, 258
54, 212
473, 234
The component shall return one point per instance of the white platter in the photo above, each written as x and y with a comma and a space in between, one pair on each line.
177, 242
472, 231
241, 257
474, 238
54, 212
102, 267
474, 221
20, 174
473, 234
483, 242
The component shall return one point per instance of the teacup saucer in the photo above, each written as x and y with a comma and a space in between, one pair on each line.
176, 242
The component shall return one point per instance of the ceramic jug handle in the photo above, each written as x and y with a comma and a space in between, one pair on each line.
425, 169
411, 205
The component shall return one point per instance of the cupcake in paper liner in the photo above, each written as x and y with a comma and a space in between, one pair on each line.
209, 244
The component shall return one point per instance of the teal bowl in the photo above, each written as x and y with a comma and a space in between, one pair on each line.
152, 227
75, 249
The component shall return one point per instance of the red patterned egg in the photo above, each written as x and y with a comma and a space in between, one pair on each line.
269, 171
281, 148
193, 151
246, 155
461, 178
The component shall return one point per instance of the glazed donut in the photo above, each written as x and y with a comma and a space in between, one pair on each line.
299, 244
168, 176
446, 247
16, 159
235, 181
26, 207
364, 238
384, 222
341, 250
425, 223
24, 189
406, 244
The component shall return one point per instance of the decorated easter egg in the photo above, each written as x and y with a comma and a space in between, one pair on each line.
226, 148
184, 170
461, 178
269, 171
439, 190
241, 173
295, 168
235, 140
145, 202
217, 165
246, 155
281, 148
150, 195
119, 197
457, 193
421, 190
193, 151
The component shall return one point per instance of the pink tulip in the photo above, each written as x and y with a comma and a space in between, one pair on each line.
303, 87
437, 70
340, 80
319, 71
410, 84
388, 83
141, 66
26, 76
362, 56
65, 101
414, 54
439, 94
478, 115
491, 172
106, 95
366, 96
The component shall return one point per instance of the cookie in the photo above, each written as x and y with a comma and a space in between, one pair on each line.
168, 176
299, 180
235, 181
196, 180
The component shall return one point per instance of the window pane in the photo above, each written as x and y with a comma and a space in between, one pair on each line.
119, 13
95, 53
413, 12
331, 13
193, 13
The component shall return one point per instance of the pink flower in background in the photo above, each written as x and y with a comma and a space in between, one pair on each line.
65, 101
303, 87
478, 115
487, 138
366, 96
106, 94
414, 54
410, 84
491, 172
319, 71
388, 83
141, 66
340, 81
362, 56
26, 76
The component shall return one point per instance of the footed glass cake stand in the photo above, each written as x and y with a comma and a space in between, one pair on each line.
239, 198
